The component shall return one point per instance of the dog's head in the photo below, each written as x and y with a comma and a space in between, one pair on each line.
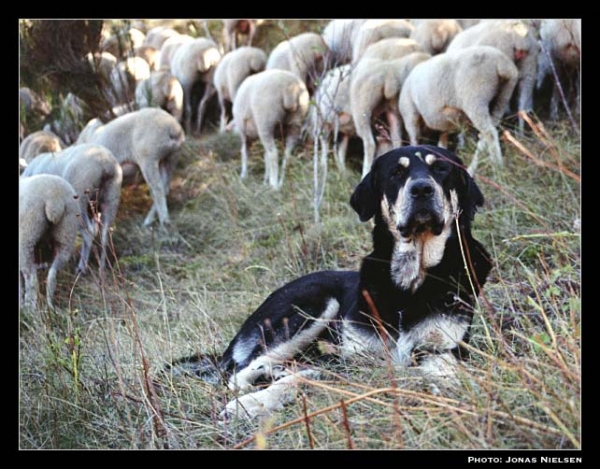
415, 194
416, 185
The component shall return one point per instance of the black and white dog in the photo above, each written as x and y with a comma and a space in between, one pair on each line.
413, 296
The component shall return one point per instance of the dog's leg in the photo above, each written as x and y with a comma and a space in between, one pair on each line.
273, 398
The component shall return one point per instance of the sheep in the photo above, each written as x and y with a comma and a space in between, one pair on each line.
242, 27
372, 31
169, 47
195, 61
475, 83
149, 54
233, 68
96, 176
332, 112
69, 119
516, 40
266, 102
434, 35
161, 90
125, 77
561, 41
155, 37
48, 217
103, 63
338, 36
149, 138
466, 23
374, 91
305, 55
120, 43
391, 48
32, 110
41, 141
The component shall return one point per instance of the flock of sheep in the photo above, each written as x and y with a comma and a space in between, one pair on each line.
369, 79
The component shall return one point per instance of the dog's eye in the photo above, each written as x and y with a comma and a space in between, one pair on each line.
398, 171
439, 167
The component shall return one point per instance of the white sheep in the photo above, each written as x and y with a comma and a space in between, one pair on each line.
156, 36
244, 28
48, 218
372, 31
102, 63
234, 67
268, 102
96, 176
169, 48
332, 113
69, 119
161, 90
305, 55
41, 141
149, 54
466, 23
392, 48
149, 138
195, 62
32, 110
472, 84
339, 34
561, 41
120, 43
516, 39
125, 77
434, 35
374, 91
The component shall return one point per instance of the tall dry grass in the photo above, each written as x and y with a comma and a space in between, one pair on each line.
91, 371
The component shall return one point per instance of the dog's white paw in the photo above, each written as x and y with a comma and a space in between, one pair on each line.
250, 406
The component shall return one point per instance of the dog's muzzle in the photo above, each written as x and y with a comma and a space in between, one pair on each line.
421, 210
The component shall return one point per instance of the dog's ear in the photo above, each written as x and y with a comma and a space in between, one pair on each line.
469, 195
364, 198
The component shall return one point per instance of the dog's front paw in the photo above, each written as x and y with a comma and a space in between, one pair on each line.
249, 406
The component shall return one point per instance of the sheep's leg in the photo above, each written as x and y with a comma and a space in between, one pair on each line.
267, 138
88, 230
223, 117
393, 120
363, 130
244, 151
526, 85
443, 140
64, 247
209, 91
410, 117
341, 153
151, 172
31, 286
554, 103
86, 248
187, 99
488, 142
293, 134
271, 164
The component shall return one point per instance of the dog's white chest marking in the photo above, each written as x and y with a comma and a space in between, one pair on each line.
413, 255
440, 333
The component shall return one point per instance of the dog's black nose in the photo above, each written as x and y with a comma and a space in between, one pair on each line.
421, 190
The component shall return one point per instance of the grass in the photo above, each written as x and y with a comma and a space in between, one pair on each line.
90, 372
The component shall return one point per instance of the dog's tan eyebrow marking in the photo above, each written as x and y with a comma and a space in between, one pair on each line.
404, 161
430, 159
